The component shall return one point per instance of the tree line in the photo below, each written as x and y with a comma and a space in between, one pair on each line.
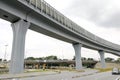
52, 57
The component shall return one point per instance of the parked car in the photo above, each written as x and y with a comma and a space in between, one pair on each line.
115, 71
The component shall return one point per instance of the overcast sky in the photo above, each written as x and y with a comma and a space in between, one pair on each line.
100, 17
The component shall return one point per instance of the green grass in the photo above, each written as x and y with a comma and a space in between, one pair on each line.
67, 69
104, 70
36, 70
54, 70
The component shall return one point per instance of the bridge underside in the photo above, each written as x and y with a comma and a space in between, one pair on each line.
45, 25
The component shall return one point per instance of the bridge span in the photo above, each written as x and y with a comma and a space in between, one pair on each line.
39, 16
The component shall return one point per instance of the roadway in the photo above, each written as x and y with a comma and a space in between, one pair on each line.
90, 75
99, 76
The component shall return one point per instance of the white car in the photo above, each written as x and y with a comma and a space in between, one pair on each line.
115, 71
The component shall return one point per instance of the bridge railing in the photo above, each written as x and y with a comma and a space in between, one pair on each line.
47, 9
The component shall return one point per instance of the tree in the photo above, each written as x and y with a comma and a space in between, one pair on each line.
108, 59
83, 58
30, 58
43, 58
0, 60
90, 59
40, 58
51, 57
5, 60
118, 60
73, 58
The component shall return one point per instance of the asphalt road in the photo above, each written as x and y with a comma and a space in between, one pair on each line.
99, 76
75, 76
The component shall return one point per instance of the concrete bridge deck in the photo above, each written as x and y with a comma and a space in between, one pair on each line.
45, 19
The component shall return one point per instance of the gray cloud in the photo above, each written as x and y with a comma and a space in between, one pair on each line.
104, 13
111, 21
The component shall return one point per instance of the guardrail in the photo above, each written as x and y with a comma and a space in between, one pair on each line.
48, 10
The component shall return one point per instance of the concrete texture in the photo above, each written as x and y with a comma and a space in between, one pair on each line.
17, 57
78, 62
102, 58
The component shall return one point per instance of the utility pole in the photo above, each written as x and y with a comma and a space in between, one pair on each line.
5, 52
4, 60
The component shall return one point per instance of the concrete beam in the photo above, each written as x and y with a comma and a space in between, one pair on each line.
101, 52
17, 58
77, 48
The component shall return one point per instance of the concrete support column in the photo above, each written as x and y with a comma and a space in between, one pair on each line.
101, 52
17, 58
77, 48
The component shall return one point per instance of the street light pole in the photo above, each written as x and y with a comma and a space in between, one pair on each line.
5, 52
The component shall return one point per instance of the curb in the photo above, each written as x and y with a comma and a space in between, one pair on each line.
25, 76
